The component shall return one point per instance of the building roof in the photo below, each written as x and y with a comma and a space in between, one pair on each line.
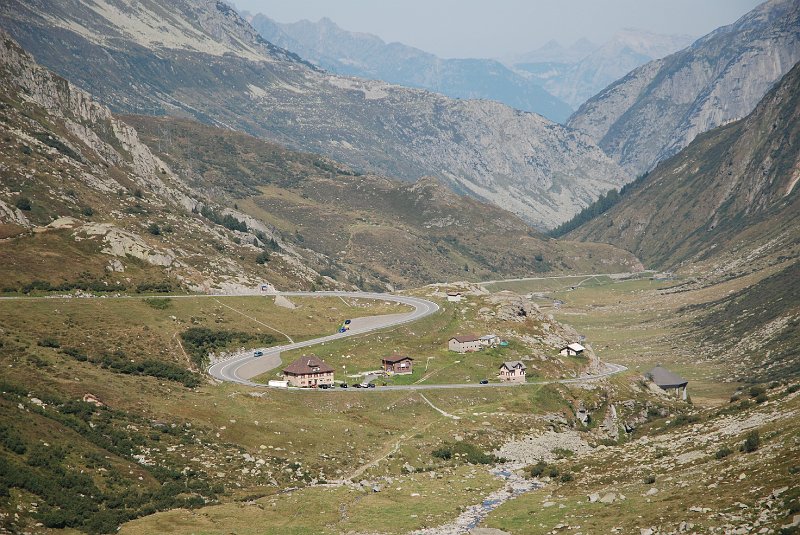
665, 378
489, 337
396, 358
306, 365
575, 346
465, 338
510, 365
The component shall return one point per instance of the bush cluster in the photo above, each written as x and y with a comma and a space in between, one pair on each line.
119, 363
466, 452
227, 220
87, 286
200, 341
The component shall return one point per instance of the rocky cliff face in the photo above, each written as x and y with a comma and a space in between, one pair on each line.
659, 108
729, 198
367, 56
200, 59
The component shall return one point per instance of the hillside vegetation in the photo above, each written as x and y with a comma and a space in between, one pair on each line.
381, 230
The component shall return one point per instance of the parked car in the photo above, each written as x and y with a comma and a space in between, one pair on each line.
344, 385
364, 385
258, 353
324, 387
347, 322
371, 385
484, 381
356, 385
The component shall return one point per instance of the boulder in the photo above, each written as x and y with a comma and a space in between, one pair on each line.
608, 497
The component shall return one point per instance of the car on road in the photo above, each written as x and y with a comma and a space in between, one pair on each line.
347, 322
344, 385
356, 385
484, 382
371, 385
258, 353
364, 385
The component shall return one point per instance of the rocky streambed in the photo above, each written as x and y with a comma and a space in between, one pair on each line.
516, 485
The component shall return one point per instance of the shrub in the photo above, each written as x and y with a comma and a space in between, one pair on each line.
751, 442
465, 451
761, 398
49, 342
723, 452
649, 479
685, 419
566, 477
154, 229
442, 453
756, 391
794, 388
538, 469
88, 211
553, 472
138, 193
23, 203
159, 303
262, 258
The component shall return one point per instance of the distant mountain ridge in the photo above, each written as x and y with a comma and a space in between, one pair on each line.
165, 57
657, 109
576, 73
367, 56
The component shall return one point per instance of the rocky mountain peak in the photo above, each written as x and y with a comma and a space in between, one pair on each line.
658, 108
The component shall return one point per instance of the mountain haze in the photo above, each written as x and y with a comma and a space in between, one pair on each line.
367, 56
657, 109
575, 80
165, 57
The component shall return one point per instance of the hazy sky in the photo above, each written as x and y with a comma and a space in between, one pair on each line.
498, 28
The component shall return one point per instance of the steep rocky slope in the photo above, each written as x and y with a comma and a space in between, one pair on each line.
84, 204
581, 78
735, 182
368, 56
659, 108
200, 58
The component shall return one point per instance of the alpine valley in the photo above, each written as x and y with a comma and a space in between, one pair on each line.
242, 294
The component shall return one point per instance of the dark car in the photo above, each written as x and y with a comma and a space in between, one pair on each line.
324, 387
371, 385
484, 382
356, 385
344, 385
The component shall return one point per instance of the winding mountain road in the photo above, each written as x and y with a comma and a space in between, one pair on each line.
241, 368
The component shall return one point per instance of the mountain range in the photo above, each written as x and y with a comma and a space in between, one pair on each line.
576, 73
93, 200
201, 59
658, 108
368, 56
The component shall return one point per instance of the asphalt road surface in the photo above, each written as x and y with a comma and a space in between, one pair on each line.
241, 368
